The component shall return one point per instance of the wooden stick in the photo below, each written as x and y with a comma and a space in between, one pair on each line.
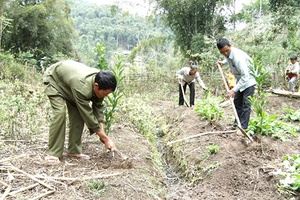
31, 177
13, 158
79, 179
183, 94
199, 135
23, 189
233, 106
44, 195
6, 192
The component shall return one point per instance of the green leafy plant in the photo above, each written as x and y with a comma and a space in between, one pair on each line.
97, 187
264, 124
209, 109
271, 127
112, 101
212, 149
258, 101
291, 174
291, 115
102, 60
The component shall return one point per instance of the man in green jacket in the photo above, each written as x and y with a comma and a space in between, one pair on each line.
79, 89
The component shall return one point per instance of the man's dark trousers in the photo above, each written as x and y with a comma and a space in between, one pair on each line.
243, 105
192, 93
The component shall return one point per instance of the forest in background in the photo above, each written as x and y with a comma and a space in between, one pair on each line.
39, 33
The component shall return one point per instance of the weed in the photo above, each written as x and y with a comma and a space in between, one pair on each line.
20, 108
209, 109
291, 115
290, 173
97, 187
212, 149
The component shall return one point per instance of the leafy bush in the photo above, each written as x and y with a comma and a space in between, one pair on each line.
271, 127
291, 173
20, 109
208, 108
212, 149
264, 124
291, 115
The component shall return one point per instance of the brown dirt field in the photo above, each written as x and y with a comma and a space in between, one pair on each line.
239, 170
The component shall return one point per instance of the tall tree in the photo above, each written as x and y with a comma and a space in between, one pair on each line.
190, 18
40, 26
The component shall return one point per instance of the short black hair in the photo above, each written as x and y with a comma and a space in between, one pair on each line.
194, 67
293, 57
222, 43
106, 80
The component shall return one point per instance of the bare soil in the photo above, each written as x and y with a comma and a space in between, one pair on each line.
238, 170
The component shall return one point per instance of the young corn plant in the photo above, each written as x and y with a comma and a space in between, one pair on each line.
258, 101
264, 124
111, 101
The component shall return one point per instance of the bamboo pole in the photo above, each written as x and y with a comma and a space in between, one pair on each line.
199, 135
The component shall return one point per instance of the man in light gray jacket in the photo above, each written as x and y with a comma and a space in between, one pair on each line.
187, 76
239, 63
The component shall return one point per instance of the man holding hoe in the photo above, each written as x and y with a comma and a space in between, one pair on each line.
187, 76
239, 63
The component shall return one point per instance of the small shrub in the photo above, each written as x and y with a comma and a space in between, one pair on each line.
271, 127
209, 109
291, 115
290, 173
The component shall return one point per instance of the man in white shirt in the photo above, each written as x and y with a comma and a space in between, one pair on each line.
292, 71
187, 76
239, 63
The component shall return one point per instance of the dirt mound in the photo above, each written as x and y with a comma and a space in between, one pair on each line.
240, 169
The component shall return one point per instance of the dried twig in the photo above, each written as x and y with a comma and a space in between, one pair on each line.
43, 195
79, 179
23, 189
12, 158
199, 135
6, 192
31, 177
3, 183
